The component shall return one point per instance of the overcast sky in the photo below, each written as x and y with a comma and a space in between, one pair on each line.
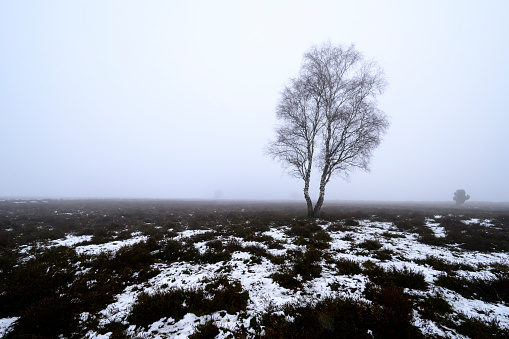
176, 99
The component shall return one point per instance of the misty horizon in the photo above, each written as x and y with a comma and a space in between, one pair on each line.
177, 100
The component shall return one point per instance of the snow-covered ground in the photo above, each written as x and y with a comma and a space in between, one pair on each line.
254, 277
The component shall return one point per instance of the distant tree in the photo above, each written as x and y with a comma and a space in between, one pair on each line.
460, 197
328, 117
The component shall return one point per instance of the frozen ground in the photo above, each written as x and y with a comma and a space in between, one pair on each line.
264, 292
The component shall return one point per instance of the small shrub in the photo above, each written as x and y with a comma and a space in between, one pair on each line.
429, 238
351, 222
215, 244
45, 276
212, 256
495, 290
347, 267
370, 244
175, 250
390, 235
434, 307
392, 309
440, 264
286, 279
347, 237
384, 254
338, 227
256, 250
303, 228
233, 245
218, 295
203, 237
307, 264
404, 278
50, 317
477, 328
340, 318
228, 295
208, 330
150, 308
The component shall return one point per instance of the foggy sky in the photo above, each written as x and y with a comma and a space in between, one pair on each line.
176, 99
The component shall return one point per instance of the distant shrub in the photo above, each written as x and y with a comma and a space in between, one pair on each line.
286, 279
233, 245
338, 227
151, 307
348, 237
178, 250
215, 244
351, 222
460, 196
429, 238
203, 237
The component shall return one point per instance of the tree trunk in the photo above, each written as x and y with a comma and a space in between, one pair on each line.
319, 202
308, 198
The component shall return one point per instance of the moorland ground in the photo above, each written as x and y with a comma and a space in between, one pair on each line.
201, 269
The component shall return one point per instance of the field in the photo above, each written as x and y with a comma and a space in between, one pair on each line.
179, 269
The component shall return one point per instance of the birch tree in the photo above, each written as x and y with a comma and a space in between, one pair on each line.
328, 117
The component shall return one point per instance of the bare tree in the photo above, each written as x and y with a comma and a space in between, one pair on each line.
329, 114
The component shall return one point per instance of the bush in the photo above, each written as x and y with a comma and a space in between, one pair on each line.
404, 278
370, 244
208, 330
177, 250
308, 265
45, 276
495, 290
347, 267
351, 222
392, 310
150, 308
340, 317
477, 328
434, 307
220, 294
384, 254
440, 264
286, 279
213, 256
50, 317
303, 228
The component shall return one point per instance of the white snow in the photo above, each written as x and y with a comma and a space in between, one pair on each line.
109, 247
264, 292
5, 323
